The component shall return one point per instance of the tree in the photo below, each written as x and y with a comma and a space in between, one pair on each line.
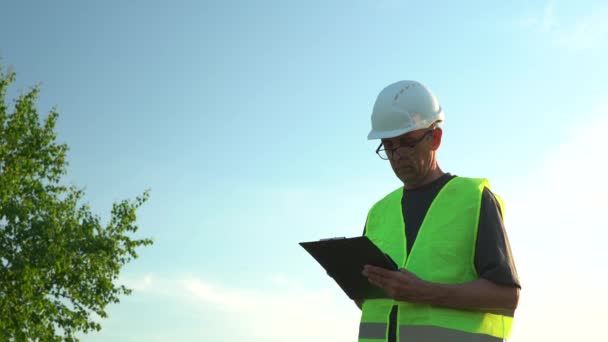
58, 265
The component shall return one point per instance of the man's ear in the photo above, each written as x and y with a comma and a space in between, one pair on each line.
437, 134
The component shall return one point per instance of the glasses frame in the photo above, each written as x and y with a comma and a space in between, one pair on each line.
410, 145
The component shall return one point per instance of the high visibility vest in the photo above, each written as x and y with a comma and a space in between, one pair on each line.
444, 252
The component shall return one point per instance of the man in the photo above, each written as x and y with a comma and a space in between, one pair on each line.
457, 280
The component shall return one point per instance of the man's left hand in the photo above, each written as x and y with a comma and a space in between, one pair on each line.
400, 285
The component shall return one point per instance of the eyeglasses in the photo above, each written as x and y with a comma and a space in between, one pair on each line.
391, 153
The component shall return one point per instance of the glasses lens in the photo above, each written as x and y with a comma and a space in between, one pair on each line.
382, 153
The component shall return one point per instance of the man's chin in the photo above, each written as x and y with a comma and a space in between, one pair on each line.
406, 175
408, 179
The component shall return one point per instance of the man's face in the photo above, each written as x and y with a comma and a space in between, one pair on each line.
412, 154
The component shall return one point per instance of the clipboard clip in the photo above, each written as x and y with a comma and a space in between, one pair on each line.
331, 239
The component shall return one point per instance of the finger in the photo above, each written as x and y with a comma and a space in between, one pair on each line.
377, 270
406, 275
375, 276
367, 271
373, 268
379, 282
404, 271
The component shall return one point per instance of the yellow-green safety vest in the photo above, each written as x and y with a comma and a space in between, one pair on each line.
444, 252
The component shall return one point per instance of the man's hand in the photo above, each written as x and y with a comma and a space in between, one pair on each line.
400, 285
479, 294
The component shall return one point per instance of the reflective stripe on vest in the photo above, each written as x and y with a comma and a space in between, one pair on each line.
378, 331
373, 331
439, 334
443, 252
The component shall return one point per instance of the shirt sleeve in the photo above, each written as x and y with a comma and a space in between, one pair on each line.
493, 257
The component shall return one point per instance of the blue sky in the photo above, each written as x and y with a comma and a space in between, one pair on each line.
248, 122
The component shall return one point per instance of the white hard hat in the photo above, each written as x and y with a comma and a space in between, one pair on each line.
403, 107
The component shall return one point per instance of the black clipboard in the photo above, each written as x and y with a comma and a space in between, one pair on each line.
343, 259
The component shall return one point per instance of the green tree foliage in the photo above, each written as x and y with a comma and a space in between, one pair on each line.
58, 264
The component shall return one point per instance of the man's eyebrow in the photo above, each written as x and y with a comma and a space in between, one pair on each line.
401, 141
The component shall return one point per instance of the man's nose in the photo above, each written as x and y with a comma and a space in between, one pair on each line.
401, 154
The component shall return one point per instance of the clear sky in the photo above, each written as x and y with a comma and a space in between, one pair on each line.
248, 121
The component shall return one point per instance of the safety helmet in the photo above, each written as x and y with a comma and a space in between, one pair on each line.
403, 107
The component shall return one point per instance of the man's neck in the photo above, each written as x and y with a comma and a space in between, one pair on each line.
435, 174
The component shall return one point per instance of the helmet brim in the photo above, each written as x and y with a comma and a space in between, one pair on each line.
375, 135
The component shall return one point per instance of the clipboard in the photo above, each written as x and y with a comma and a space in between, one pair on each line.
344, 258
